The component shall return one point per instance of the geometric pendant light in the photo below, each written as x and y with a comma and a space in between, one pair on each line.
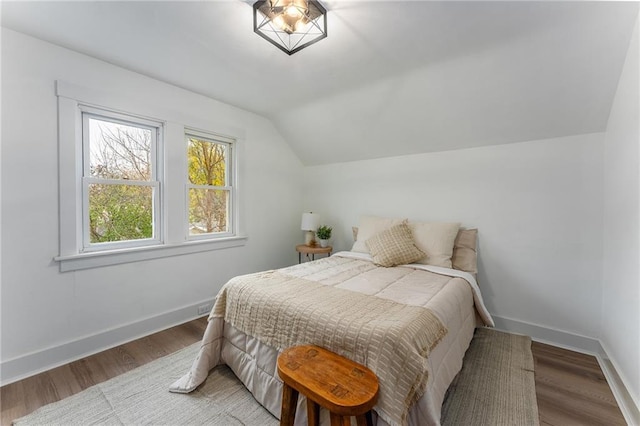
291, 25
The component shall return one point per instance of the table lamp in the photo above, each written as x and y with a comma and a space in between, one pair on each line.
310, 222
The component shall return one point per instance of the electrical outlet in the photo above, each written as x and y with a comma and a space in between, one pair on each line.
204, 309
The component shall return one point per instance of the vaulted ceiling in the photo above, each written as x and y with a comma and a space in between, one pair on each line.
392, 78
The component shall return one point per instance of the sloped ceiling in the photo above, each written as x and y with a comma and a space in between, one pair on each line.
392, 78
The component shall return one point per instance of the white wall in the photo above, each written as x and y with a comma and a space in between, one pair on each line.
49, 317
621, 274
537, 205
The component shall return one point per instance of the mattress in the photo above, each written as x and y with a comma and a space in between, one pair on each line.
453, 296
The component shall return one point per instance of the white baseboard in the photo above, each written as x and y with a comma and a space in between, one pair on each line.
628, 406
542, 334
583, 344
37, 362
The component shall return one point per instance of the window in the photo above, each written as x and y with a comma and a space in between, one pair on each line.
120, 182
136, 183
209, 189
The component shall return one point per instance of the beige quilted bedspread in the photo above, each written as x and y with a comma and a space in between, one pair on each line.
283, 310
415, 294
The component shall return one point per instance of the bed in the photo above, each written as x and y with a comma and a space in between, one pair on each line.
410, 323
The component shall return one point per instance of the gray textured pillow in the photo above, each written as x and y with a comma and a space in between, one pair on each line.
465, 257
394, 246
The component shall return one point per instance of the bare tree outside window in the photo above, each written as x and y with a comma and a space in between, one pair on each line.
120, 195
119, 151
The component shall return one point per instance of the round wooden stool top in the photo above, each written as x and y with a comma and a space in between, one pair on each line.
342, 386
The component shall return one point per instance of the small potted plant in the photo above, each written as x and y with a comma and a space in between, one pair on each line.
324, 233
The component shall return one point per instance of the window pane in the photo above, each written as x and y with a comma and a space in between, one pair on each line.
207, 162
208, 211
119, 151
120, 212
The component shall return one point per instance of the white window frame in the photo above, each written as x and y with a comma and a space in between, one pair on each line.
230, 183
155, 183
172, 238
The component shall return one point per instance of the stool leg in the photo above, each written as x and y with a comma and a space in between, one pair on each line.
289, 402
365, 419
313, 413
338, 420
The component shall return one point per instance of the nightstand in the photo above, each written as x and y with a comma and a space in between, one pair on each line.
307, 250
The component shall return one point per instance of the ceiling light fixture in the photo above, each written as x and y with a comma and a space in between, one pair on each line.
291, 25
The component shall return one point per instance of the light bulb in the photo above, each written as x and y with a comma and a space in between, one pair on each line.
302, 25
279, 22
289, 15
293, 11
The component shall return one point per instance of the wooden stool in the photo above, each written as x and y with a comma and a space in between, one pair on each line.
328, 380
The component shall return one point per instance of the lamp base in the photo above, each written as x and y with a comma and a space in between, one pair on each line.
309, 239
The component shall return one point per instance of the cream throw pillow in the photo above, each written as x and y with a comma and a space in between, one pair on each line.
394, 246
369, 226
436, 240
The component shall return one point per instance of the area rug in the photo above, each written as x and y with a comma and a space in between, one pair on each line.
495, 387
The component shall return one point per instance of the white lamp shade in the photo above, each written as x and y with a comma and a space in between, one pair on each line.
310, 221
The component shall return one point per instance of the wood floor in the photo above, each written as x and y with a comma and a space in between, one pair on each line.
570, 387
572, 390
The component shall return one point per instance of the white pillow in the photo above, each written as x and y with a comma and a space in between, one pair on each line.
370, 226
436, 240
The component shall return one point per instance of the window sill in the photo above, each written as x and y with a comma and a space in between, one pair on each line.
80, 261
